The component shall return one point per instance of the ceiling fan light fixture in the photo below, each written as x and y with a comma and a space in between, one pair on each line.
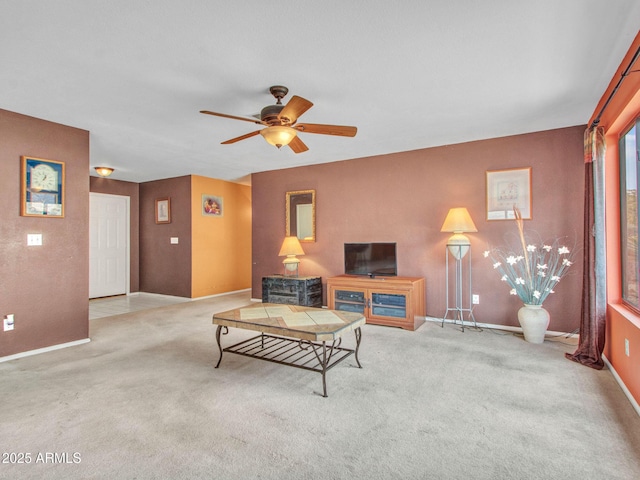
278, 135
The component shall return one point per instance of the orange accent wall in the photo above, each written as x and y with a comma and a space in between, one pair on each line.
622, 323
221, 246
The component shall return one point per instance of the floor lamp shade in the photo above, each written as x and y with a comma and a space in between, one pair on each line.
458, 221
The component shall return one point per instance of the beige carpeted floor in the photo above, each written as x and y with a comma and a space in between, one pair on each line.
142, 401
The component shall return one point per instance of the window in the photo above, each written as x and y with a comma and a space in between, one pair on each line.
629, 221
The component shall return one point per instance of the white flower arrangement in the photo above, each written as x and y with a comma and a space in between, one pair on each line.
534, 273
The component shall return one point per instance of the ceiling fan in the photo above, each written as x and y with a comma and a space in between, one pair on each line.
280, 122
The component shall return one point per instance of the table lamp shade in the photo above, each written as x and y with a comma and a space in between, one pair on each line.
291, 246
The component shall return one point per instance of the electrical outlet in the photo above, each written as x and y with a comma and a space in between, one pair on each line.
8, 322
476, 299
626, 347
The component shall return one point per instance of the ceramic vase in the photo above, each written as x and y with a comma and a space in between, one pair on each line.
534, 321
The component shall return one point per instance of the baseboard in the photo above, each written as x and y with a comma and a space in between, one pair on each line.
43, 350
500, 327
162, 295
151, 294
624, 388
221, 294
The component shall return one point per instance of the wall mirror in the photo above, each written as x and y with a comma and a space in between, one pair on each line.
300, 216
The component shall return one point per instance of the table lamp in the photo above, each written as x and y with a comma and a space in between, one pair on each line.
291, 247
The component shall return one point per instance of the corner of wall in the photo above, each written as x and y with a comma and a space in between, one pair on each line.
221, 233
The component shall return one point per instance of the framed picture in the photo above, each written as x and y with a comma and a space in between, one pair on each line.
41, 187
507, 189
211, 206
163, 210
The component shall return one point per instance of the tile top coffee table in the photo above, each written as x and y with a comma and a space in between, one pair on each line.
302, 337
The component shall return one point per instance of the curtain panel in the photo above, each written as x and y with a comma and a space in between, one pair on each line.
593, 313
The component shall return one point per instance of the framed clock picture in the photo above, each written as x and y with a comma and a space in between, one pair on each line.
41, 188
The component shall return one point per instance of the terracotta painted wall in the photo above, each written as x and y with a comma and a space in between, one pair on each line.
405, 197
131, 190
165, 268
221, 246
623, 323
45, 287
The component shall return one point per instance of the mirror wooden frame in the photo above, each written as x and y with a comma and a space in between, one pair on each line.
293, 201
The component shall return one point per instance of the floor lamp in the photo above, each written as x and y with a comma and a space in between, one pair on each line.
458, 222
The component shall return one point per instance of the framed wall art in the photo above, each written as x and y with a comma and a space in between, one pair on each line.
41, 187
212, 206
163, 210
507, 189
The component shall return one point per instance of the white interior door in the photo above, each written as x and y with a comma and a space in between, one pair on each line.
109, 245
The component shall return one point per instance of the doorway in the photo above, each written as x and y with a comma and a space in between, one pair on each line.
108, 245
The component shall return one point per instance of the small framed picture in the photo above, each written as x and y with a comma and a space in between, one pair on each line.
212, 206
41, 188
163, 210
507, 189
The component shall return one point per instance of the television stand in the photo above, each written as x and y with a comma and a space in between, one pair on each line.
383, 300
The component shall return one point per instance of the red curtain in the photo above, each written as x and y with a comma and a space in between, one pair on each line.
593, 314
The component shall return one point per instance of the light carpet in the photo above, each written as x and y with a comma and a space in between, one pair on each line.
143, 401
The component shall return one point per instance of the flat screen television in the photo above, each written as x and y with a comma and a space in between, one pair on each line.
371, 259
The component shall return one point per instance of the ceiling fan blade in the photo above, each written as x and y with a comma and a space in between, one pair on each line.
224, 115
294, 109
341, 130
297, 145
237, 139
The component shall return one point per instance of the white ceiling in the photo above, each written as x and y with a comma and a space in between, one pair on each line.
409, 74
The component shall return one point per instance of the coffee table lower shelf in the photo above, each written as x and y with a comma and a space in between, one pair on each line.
314, 356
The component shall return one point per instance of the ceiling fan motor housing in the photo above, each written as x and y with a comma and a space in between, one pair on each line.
269, 114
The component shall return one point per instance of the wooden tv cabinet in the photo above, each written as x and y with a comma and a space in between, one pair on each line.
391, 301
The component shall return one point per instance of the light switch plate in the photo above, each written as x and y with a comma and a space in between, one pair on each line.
8, 323
174, 240
34, 239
